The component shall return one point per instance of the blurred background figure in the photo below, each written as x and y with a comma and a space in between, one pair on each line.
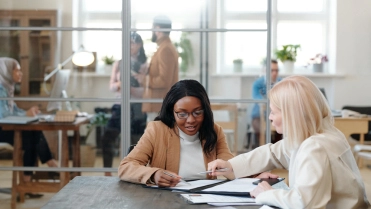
259, 91
34, 143
138, 65
163, 70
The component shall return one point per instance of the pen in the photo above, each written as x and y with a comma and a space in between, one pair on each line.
169, 174
217, 170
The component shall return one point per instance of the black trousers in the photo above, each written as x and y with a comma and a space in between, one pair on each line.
33, 144
113, 129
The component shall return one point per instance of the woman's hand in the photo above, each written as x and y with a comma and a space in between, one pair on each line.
140, 77
33, 111
165, 180
262, 187
266, 175
143, 69
218, 164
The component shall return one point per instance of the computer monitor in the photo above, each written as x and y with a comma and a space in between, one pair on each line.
59, 90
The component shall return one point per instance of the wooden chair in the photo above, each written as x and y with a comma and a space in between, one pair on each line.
362, 152
226, 115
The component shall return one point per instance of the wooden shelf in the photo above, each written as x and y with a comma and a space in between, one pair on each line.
34, 49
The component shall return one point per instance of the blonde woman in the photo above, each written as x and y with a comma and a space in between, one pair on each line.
322, 170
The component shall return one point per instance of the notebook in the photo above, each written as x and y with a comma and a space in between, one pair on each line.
18, 119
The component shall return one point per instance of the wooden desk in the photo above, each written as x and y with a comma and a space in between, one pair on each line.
23, 187
353, 126
109, 192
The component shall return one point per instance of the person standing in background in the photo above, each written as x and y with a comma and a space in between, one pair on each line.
138, 64
163, 70
259, 91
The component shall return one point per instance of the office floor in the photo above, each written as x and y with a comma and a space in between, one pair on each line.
6, 177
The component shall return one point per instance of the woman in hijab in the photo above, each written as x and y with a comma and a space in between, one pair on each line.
33, 142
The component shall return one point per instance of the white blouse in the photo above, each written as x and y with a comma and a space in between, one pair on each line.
191, 157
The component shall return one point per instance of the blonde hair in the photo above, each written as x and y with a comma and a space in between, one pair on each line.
305, 111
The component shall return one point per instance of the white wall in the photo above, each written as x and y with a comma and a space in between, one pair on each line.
353, 40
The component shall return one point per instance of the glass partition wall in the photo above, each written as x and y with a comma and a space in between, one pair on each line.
212, 50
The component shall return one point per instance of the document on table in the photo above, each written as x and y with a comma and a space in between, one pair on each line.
192, 184
18, 119
212, 198
238, 185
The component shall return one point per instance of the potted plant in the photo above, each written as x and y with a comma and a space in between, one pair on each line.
185, 51
88, 152
287, 55
108, 61
237, 65
317, 62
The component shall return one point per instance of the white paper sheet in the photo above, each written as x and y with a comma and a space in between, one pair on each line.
231, 203
211, 198
194, 184
266, 207
237, 185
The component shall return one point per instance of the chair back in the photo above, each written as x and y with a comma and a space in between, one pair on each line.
226, 115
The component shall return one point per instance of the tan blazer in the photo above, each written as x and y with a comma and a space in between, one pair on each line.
159, 148
162, 74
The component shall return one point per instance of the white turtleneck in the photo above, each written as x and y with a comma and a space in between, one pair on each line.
191, 157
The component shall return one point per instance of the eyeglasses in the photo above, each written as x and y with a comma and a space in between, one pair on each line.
185, 115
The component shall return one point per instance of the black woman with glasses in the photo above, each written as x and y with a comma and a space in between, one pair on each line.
179, 143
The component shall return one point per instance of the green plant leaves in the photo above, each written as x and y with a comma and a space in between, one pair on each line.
287, 53
185, 51
99, 119
108, 60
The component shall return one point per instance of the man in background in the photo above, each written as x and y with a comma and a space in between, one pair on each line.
259, 91
163, 69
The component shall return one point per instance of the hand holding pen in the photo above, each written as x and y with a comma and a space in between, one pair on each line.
165, 178
220, 168
217, 170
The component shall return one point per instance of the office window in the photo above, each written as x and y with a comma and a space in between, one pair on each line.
293, 22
